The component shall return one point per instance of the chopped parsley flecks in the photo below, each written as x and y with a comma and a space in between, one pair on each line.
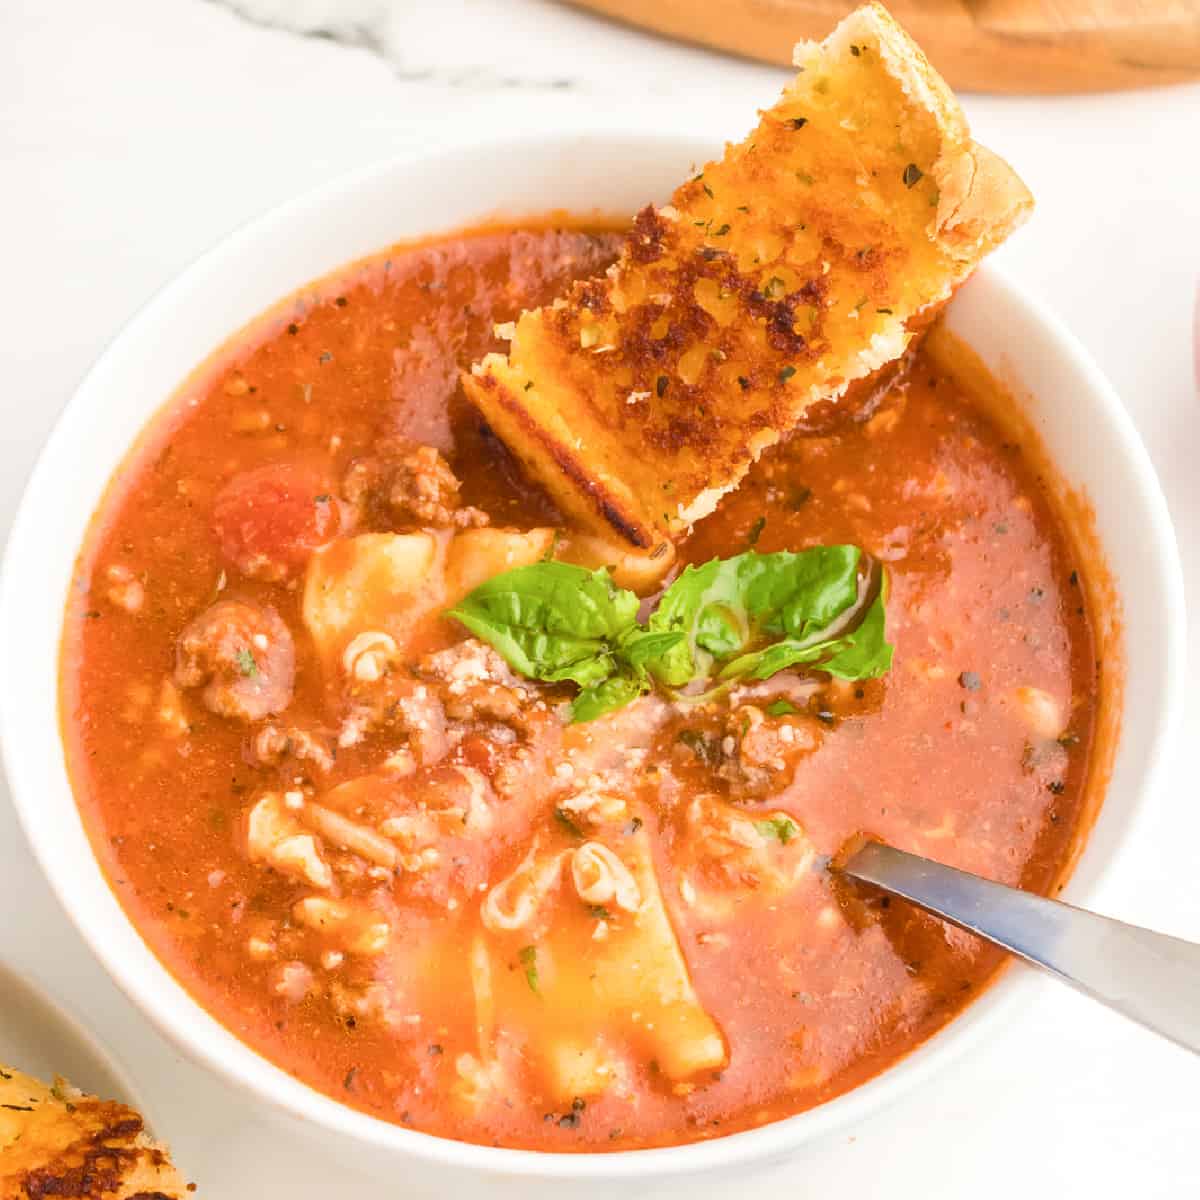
528, 957
781, 828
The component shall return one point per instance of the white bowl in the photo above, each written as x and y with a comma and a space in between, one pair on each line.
1081, 420
45, 1039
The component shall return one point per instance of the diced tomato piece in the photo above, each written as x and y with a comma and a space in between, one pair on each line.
269, 520
479, 751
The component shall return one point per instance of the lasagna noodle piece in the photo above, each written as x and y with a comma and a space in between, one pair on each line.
596, 998
56, 1141
804, 260
375, 582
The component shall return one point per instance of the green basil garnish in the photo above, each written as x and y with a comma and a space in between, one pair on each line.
613, 693
528, 957
744, 617
551, 620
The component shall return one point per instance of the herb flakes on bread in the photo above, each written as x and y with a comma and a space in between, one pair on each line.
57, 1141
807, 258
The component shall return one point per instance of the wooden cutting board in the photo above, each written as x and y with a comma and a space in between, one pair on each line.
978, 45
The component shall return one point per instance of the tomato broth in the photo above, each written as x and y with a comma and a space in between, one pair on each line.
398, 870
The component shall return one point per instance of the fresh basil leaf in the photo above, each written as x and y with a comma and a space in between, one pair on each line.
865, 653
551, 620
762, 664
704, 605
748, 616
800, 593
641, 645
725, 605
540, 655
721, 629
610, 694
781, 708
558, 598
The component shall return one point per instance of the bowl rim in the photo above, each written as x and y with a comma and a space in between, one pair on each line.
236, 1062
110, 1070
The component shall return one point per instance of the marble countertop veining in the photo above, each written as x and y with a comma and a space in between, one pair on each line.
135, 133
483, 45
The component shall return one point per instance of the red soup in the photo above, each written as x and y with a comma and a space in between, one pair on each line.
399, 870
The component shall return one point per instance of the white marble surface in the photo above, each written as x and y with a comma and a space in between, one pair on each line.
134, 133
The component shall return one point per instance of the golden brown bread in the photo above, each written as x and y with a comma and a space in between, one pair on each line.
799, 263
56, 1141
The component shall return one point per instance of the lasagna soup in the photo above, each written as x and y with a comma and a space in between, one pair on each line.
584, 906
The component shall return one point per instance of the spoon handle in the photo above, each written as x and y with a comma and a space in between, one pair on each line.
1150, 977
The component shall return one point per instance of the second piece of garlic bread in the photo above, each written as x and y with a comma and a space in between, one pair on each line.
57, 1141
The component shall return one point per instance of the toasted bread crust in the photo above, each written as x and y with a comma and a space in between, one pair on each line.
56, 1141
981, 202
802, 261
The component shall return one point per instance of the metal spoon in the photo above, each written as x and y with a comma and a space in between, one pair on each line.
1150, 977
